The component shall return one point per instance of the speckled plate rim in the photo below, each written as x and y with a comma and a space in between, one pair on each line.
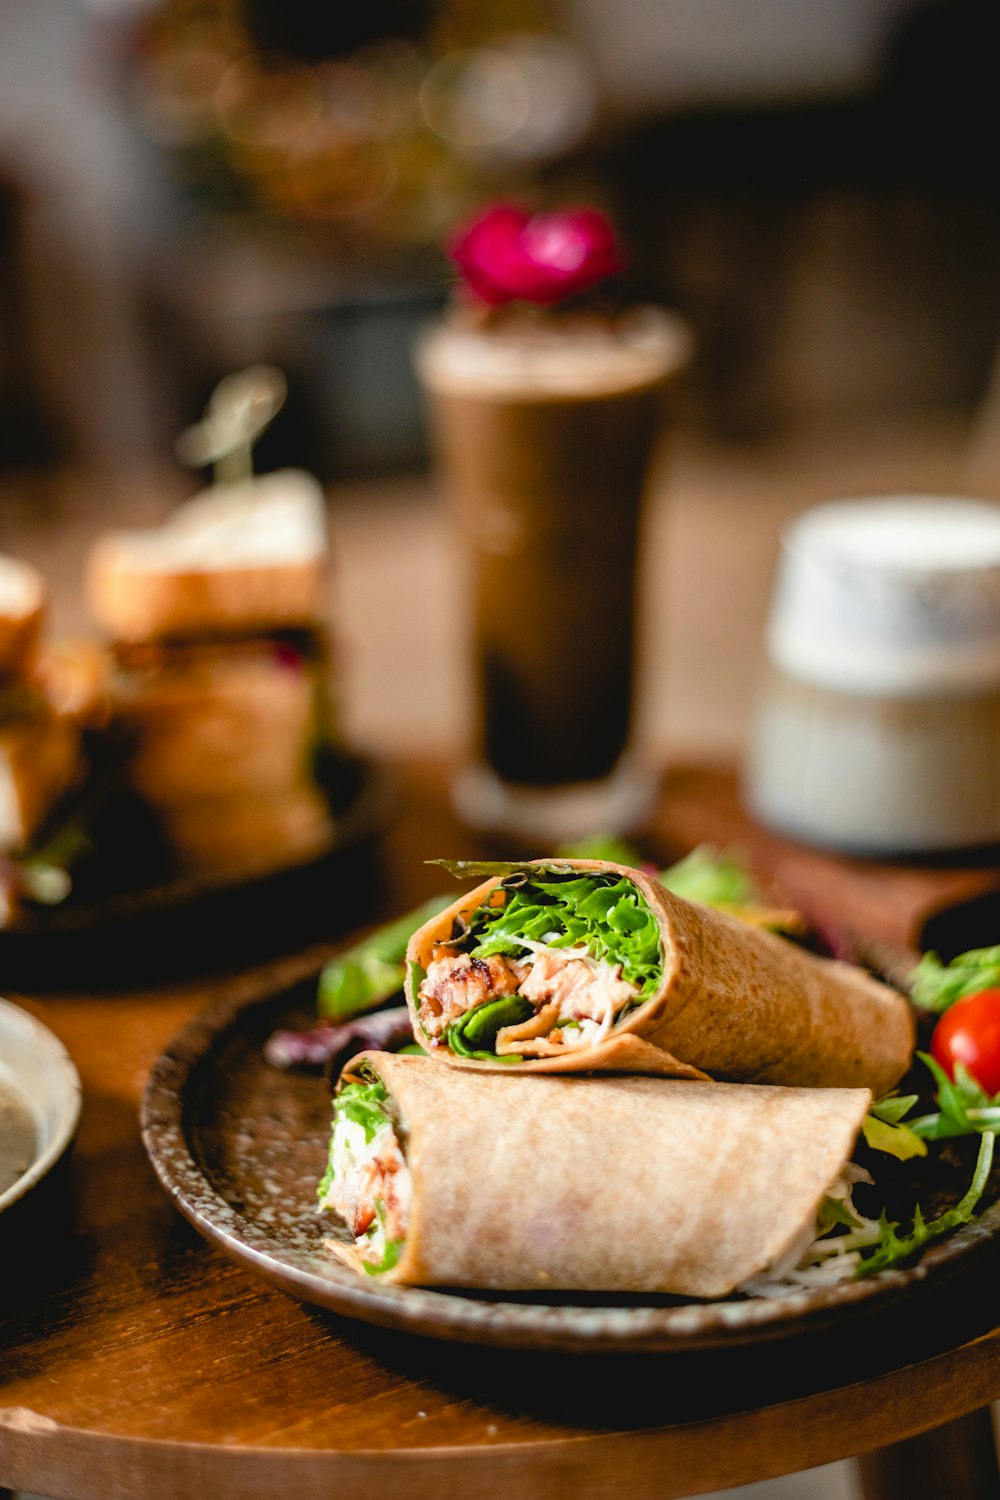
66, 1100
471, 1318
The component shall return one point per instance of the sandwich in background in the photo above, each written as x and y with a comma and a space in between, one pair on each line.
220, 668
51, 695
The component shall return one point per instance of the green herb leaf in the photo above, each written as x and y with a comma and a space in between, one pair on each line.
935, 986
372, 971
712, 877
964, 1108
893, 1248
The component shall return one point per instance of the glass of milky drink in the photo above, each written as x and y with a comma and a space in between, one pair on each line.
544, 422
878, 726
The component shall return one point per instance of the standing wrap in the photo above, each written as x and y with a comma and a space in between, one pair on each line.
731, 1002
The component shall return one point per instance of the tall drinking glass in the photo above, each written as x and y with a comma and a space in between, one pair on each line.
544, 429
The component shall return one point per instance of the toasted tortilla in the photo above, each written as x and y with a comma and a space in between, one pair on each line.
606, 1184
735, 1003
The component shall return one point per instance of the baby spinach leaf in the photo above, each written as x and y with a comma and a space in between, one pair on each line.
475, 1033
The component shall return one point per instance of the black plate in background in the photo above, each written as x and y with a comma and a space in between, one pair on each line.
129, 921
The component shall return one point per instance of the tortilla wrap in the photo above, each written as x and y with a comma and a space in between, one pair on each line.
735, 1003
606, 1184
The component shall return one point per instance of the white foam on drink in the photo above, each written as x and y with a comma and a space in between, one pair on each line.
553, 357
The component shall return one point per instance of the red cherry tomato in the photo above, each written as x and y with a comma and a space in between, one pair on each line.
969, 1033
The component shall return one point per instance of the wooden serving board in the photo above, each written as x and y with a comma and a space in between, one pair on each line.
900, 904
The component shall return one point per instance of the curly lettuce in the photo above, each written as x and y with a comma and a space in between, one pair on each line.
605, 915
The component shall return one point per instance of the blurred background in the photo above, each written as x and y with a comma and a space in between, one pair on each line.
189, 186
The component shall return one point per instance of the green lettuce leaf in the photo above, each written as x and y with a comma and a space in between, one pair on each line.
364, 1104
606, 914
393, 1250
964, 1108
896, 1140
475, 1033
712, 877
372, 971
884, 1130
935, 986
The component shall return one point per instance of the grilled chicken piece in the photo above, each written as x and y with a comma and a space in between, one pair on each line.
457, 982
583, 990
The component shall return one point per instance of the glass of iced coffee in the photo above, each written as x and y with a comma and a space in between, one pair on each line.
544, 419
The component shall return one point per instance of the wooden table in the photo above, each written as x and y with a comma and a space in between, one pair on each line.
138, 1364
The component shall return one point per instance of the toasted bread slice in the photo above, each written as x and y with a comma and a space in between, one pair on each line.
23, 602
205, 722
246, 559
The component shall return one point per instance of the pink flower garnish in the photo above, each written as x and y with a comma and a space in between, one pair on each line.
507, 255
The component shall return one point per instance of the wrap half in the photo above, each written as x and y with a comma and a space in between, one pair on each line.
583, 965
585, 1184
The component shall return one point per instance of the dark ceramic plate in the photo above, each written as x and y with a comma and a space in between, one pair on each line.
127, 919
135, 887
239, 1147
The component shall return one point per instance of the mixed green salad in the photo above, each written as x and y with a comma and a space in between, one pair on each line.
963, 1071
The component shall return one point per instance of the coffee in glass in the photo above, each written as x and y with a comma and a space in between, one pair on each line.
545, 424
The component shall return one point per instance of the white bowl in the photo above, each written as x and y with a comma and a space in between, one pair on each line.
40, 1070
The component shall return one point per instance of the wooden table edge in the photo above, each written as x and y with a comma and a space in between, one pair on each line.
663, 1463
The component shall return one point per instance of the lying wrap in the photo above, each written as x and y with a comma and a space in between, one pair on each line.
602, 1184
731, 1002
